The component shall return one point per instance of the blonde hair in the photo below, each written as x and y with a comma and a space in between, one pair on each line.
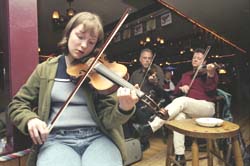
90, 21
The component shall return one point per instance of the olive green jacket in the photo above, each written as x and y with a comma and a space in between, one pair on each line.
36, 93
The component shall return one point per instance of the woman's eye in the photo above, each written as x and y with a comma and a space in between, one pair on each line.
79, 36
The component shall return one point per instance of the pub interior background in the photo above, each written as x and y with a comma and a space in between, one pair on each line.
170, 34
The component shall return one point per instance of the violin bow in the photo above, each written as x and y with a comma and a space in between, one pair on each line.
199, 67
149, 67
83, 78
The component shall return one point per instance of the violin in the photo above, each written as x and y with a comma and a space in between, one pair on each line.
102, 84
203, 69
106, 74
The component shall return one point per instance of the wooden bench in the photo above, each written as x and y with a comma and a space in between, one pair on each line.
15, 159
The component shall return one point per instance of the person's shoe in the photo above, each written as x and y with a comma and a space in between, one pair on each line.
181, 159
145, 145
143, 130
163, 114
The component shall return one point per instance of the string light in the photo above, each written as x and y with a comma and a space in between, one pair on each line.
222, 71
141, 42
182, 52
162, 41
148, 39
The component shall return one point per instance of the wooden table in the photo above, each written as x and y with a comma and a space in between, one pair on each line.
189, 128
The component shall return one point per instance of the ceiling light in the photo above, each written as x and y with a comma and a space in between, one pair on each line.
70, 12
182, 52
141, 42
222, 71
148, 39
55, 14
61, 20
167, 63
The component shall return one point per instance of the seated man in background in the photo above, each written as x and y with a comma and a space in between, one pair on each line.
197, 101
149, 78
168, 87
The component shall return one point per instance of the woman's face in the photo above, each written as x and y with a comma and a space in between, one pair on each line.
81, 43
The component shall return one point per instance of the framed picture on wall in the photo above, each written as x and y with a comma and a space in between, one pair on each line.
138, 29
126, 33
150, 25
166, 19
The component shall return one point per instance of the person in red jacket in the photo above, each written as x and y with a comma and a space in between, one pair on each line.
197, 100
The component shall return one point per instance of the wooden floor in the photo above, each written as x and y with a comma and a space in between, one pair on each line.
156, 155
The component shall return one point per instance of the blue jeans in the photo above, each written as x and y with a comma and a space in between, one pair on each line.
78, 147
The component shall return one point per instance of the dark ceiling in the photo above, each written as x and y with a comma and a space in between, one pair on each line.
109, 11
230, 19
227, 20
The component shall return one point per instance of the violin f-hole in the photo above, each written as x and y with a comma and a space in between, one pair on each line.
81, 72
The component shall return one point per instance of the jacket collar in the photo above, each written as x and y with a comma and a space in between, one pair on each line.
54, 59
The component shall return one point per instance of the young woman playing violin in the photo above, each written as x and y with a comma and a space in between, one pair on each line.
89, 131
198, 101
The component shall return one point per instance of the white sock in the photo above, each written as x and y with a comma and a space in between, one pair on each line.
156, 123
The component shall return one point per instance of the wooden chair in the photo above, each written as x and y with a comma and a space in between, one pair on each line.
189, 128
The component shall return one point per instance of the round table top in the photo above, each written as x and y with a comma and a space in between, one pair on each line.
190, 128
